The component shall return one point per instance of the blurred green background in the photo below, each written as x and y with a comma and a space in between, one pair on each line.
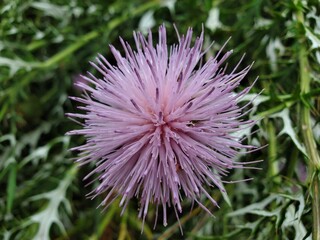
46, 45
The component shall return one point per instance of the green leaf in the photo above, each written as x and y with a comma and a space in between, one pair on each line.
289, 129
16, 64
50, 214
50, 9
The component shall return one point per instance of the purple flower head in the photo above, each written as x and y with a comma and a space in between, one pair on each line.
158, 126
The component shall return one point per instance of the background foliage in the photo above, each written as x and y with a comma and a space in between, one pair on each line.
45, 45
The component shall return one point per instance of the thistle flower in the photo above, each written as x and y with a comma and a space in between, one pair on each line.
158, 126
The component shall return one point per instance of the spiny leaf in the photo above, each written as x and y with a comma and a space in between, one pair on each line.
288, 128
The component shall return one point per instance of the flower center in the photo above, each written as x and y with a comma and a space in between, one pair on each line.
159, 121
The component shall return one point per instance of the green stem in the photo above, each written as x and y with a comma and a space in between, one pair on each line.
123, 227
276, 109
307, 134
273, 170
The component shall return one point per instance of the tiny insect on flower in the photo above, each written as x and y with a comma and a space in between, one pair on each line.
159, 126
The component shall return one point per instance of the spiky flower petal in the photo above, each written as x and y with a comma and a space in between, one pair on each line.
158, 126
